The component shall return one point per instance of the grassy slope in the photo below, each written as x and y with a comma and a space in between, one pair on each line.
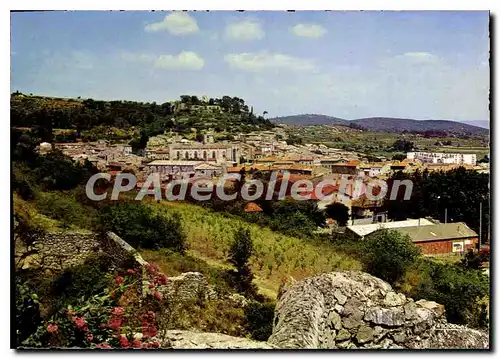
276, 256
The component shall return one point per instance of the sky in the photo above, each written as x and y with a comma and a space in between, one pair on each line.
422, 65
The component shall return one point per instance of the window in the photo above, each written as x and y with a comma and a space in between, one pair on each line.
186, 155
204, 155
196, 155
178, 155
213, 154
458, 247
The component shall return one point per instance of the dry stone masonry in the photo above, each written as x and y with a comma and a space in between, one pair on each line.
57, 251
349, 310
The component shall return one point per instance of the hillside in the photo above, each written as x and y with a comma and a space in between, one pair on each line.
310, 119
403, 124
91, 119
387, 124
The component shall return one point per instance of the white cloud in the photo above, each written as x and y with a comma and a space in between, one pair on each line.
185, 60
176, 23
245, 30
259, 61
308, 30
137, 57
418, 58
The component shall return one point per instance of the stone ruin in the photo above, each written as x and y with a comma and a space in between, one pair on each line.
350, 310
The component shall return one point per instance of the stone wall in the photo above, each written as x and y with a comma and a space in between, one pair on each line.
57, 251
348, 310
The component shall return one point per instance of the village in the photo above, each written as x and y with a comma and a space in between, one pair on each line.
175, 157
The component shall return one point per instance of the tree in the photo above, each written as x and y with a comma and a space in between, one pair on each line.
403, 145
138, 225
399, 157
241, 249
339, 212
388, 254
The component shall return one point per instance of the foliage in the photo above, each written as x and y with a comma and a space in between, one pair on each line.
462, 291
141, 228
242, 248
387, 254
56, 171
403, 145
339, 212
113, 318
399, 157
459, 191
27, 311
259, 319
474, 260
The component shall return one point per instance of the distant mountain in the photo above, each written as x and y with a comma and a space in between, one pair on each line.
389, 124
483, 124
386, 124
310, 119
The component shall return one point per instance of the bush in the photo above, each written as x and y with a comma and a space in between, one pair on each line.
388, 254
259, 319
242, 248
58, 172
463, 292
27, 311
339, 212
141, 228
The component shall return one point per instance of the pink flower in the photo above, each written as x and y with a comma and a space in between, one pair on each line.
151, 314
118, 311
148, 330
52, 328
90, 337
151, 286
119, 280
124, 342
130, 271
103, 346
79, 322
115, 323
158, 295
155, 344
136, 343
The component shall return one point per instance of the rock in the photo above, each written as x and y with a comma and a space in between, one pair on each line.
437, 308
399, 337
334, 320
183, 339
393, 299
238, 300
339, 308
340, 297
343, 334
307, 316
391, 317
365, 334
410, 310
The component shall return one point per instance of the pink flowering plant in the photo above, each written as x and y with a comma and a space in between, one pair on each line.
119, 317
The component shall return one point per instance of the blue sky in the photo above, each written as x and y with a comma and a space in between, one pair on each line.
423, 65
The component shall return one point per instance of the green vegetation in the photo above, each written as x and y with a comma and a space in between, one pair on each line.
141, 228
388, 254
463, 292
459, 191
127, 120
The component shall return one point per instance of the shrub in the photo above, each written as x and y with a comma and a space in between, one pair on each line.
242, 248
27, 311
463, 292
259, 319
141, 228
339, 212
388, 254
